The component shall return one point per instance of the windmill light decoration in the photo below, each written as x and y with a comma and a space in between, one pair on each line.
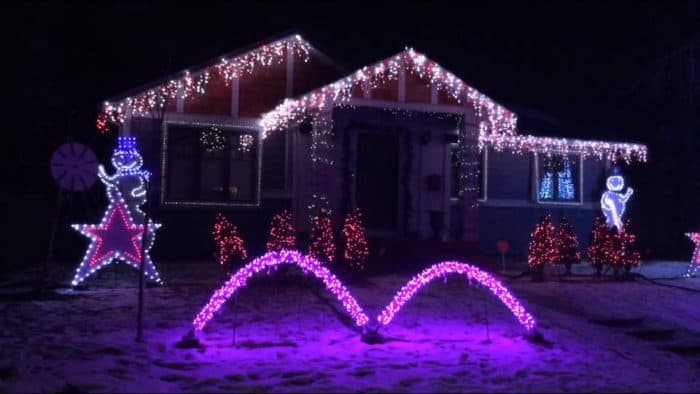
74, 166
120, 234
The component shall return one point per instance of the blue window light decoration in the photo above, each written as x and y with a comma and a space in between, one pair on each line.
613, 202
566, 182
547, 183
119, 235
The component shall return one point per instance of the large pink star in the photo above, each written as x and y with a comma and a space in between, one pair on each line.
116, 237
695, 261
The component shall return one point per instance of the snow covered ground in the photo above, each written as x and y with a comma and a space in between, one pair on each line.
279, 336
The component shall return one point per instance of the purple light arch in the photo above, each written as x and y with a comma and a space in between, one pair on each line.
273, 259
443, 269
310, 265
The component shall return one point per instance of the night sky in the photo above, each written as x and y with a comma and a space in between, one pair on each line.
582, 63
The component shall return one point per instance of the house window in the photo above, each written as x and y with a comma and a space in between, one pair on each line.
558, 178
477, 170
206, 164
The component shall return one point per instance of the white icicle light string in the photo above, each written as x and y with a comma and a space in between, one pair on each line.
191, 84
548, 145
499, 118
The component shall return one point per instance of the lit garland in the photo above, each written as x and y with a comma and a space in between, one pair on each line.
322, 243
472, 273
282, 233
356, 250
695, 260
542, 249
467, 162
271, 261
321, 140
499, 120
612, 151
119, 234
191, 84
319, 202
320, 153
567, 245
229, 243
245, 142
213, 140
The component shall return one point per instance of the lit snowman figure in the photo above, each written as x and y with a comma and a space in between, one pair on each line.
613, 201
129, 180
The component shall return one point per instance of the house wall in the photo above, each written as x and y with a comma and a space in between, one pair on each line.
423, 151
241, 100
511, 210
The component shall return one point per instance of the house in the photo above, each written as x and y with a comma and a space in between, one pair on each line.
421, 152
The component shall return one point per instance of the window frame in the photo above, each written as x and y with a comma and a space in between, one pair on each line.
229, 125
536, 182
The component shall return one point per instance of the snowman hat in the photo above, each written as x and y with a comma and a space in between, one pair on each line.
126, 144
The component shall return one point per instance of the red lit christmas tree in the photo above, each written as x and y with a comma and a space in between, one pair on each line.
567, 245
231, 245
542, 248
356, 250
627, 254
322, 242
602, 246
282, 233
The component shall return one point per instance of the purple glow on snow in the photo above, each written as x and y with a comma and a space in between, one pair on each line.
271, 260
443, 269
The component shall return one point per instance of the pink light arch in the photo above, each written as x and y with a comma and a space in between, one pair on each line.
273, 259
443, 269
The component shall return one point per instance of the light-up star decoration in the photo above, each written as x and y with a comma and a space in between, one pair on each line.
118, 236
613, 201
695, 261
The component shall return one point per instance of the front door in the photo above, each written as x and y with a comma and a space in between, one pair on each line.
377, 192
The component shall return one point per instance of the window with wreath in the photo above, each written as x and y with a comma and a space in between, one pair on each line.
212, 165
559, 177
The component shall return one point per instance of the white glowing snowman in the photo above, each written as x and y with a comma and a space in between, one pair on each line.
613, 202
129, 180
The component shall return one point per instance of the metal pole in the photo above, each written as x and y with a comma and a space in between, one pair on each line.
49, 255
142, 269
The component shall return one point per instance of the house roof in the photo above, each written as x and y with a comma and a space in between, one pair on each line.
498, 119
497, 127
155, 95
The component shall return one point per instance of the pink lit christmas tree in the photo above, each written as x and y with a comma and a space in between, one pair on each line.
282, 233
542, 248
322, 241
627, 254
567, 245
230, 245
601, 249
356, 249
